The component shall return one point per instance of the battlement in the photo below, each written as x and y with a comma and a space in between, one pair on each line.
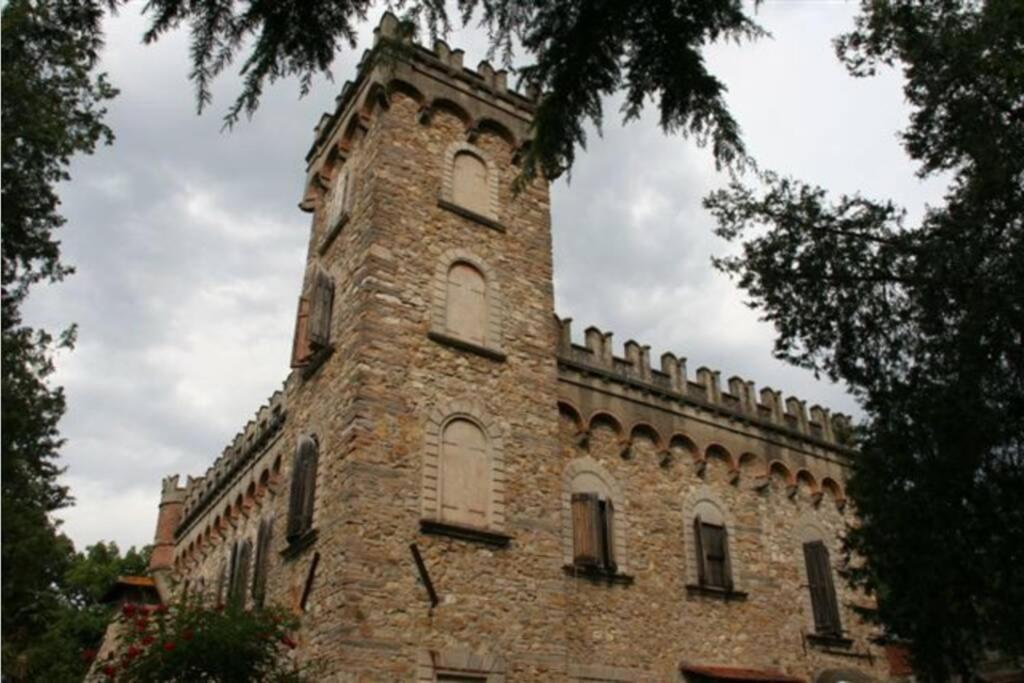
436, 78
257, 434
740, 399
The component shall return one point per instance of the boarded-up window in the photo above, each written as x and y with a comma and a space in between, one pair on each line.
339, 202
470, 187
303, 491
466, 302
593, 532
712, 546
823, 592
465, 474
262, 564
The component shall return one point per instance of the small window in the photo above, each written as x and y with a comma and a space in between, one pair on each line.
470, 189
823, 592
465, 474
466, 303
303, 491
593, 532
712, 547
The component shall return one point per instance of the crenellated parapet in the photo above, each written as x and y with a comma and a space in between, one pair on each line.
200, 493
739, 398
436, 79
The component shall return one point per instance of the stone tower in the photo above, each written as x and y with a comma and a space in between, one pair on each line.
448, 488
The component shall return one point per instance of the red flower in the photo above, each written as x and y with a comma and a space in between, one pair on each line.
148, 640
186, 634
160, 609
133, 652
88, 655
287, 640
128, 609
109, 671
169, 646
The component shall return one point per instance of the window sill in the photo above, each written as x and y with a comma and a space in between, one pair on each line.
829, 642
726, 594
463, 345
470, 214
325, 243
319, 357
299, 543
461, 532
598, 575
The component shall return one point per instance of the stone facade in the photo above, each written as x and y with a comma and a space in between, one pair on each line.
545, 419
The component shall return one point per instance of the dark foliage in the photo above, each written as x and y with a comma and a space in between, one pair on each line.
925, 323
580, 51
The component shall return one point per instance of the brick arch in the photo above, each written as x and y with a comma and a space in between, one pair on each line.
489, 125
572, 412
780, 468
587, 465
648, 430
495, 304
804, 476
454, 108
717, 450
440, 416
603, 416
831, 487
693, 501
448, 175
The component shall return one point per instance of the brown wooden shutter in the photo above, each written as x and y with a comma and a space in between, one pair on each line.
320, 311
301, 350
297, 495
240, 581
823, 593
698, 544
222, 575
259, 579
309, 447
608, 540
726, 560
586, 530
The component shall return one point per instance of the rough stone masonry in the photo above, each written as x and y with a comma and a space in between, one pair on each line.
448, 488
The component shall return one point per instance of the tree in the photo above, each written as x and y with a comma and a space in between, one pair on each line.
51, 110
924, 323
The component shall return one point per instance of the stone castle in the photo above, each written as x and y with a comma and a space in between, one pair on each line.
449, 488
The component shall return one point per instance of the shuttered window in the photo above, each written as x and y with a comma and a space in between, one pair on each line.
262, 564
303, 491
301, 350
712, 547
823, 592
241, 559
593, 532
321, 307
222, 579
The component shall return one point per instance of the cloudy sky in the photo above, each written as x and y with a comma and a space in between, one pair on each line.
189, 247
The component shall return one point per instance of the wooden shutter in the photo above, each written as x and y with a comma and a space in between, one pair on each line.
309, 450
586, 530
263, 548
320, 310
823, 593
221, 581
608, 529
698, 543
726, 560
297, 495
240, 581
301, 350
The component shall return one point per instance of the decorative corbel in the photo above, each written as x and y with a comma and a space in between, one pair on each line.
425, 114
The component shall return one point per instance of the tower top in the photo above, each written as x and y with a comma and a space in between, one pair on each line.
435, 79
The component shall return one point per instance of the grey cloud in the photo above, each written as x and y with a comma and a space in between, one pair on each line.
190, 251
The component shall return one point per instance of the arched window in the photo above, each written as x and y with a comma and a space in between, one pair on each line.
466, 303
303, 492
595, 523
821, 589
470, 188
465, 474
711, 544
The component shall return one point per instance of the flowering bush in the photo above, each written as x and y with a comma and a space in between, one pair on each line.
193, 642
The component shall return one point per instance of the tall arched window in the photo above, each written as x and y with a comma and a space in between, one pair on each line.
594, 535
469, 185
466, 303
465, 474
